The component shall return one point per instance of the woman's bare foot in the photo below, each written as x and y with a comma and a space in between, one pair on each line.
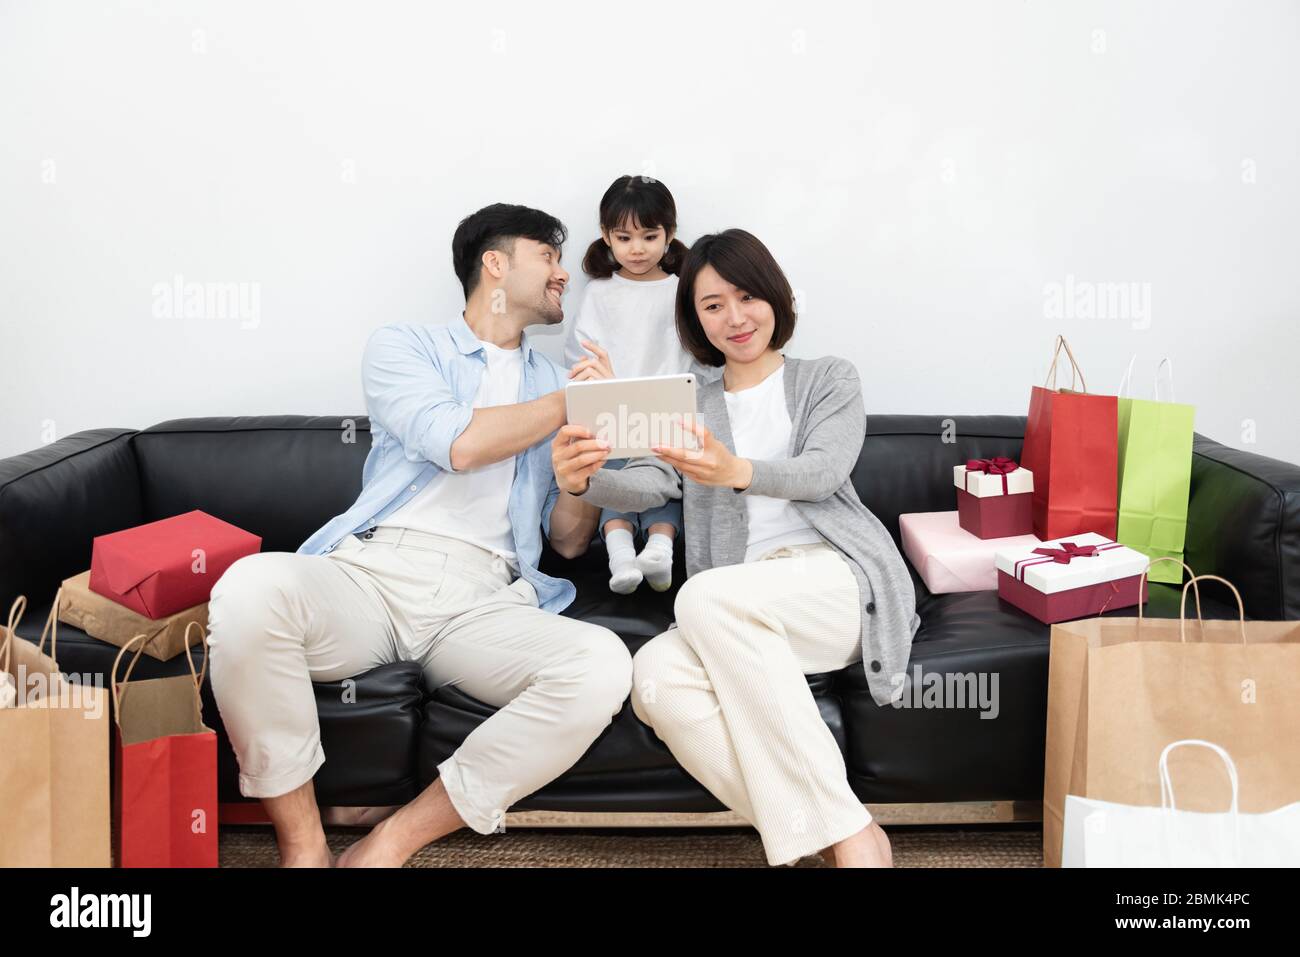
867, 848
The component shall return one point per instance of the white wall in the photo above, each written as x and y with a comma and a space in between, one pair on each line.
925, 171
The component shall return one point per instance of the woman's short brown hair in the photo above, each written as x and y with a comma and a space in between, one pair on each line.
741, 259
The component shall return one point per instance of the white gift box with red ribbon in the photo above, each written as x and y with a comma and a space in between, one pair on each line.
993, 482
1072, 562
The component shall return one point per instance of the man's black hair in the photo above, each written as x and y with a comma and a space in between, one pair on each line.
497, 227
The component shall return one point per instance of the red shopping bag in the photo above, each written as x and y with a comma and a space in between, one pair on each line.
165, 798
1072, 448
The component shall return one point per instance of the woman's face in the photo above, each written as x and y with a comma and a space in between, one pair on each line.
739, 325
638, 249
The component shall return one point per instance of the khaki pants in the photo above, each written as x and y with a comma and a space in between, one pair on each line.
724, 688
280, 620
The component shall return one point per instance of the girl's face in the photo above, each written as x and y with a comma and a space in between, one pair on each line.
638, 249
738, 324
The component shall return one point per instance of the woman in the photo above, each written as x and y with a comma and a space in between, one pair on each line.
788, 573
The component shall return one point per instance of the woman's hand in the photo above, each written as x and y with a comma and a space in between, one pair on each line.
592, 367
711, 464
575, 456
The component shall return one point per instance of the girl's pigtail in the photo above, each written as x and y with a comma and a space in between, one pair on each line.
674, 256
599, 263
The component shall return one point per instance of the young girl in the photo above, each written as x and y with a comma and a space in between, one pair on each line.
628, 310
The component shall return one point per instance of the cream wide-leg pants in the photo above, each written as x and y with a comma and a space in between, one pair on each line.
724, 688
279, 621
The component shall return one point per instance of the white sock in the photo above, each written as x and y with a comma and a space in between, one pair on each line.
656, 562
624, 575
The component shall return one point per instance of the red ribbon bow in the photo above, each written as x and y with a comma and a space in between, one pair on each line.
998, 465
1067, 551
1061, 556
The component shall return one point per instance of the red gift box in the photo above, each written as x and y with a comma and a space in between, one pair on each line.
1066, 579
1083, 602
996, 516
167, 566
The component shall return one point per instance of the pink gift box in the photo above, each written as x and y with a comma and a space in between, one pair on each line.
949, 558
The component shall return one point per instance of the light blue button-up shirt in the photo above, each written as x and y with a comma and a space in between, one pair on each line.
420, 383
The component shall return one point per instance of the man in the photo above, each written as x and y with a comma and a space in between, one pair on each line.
436, 562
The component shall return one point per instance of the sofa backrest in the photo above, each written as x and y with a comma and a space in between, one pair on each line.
907, 460
284, 476
278, 476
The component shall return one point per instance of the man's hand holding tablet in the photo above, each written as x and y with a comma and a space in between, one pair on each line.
576, 455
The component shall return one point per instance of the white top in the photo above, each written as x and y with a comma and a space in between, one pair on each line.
472, 505
760, 429
632, 321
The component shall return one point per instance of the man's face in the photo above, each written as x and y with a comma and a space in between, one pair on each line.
536, 281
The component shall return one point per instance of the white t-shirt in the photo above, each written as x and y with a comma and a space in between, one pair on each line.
472, 505
760, 429
632, 321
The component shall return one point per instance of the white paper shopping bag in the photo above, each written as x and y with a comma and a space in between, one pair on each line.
1107, 834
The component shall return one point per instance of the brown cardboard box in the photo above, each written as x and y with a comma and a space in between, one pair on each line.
106, 620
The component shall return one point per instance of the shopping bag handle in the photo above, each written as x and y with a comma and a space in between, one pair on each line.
1167, 785
1155, 385
1074, 366
16, 611
203, 671
1128, 374
119, 687
1145, 582
52, 626
1182, 608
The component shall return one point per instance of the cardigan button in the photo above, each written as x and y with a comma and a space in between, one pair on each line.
871, 608
875, 665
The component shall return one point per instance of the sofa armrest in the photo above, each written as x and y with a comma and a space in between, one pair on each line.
1243, 524
54, 501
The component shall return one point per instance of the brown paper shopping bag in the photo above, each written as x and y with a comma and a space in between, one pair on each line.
54, 781
1121, 689
106, 620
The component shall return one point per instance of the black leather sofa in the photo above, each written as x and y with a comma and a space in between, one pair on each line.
284, 476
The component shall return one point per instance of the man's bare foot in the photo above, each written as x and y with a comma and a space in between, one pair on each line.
315, 855
867, 848
373, 850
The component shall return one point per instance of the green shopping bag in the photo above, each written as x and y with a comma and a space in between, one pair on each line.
1155, 476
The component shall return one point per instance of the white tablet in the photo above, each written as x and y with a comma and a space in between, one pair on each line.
634, 414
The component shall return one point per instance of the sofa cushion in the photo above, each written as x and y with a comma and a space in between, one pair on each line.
618, 771
912, 753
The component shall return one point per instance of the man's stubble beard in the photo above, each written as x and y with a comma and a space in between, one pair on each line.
548, 312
